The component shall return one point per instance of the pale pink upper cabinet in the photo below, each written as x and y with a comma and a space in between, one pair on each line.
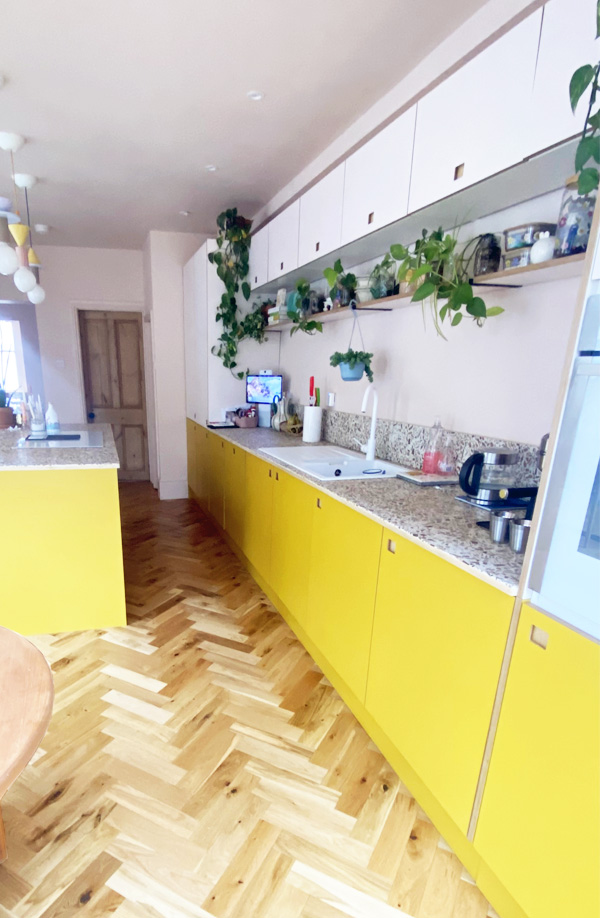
474, 123
378, 179
283, 241
259, 258
567, 42
321, 217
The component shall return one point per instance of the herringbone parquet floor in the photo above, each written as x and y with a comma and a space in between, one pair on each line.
199, 764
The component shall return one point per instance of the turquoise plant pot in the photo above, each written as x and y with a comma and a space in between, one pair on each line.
352, 374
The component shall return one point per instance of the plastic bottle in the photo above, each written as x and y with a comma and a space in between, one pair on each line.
433, 450
52, 424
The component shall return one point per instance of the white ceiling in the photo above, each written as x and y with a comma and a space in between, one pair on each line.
124, 102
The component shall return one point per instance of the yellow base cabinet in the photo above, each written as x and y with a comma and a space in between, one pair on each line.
439, 636
61, 553
202, 466
342, 572
539, 826
216, 478
292, 519
192, 453
234, 492
256, 543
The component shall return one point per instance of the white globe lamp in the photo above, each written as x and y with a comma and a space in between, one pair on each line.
24, 280
37, 295
9, 261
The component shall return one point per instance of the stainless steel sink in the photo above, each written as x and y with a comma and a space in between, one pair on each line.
332, 463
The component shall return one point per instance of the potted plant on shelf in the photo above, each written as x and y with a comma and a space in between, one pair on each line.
382, 280
353, 364
300, 314
343, 286
435, 270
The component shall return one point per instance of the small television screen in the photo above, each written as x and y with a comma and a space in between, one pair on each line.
262, 390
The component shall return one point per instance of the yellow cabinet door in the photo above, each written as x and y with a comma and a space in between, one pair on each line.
539, 824
235, 492
202, 466
216, 478
256, 543
293, 507
438, 640
190, 427
344, 558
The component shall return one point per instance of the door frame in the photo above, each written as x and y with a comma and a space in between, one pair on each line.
122, 306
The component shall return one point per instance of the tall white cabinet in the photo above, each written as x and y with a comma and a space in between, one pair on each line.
321, 217
210, 388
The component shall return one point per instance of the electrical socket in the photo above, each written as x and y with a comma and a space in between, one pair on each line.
331, 399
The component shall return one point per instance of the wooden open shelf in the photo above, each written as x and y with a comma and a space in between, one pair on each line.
546, 272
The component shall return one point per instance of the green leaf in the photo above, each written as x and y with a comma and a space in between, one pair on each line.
246, 290
338, 267
580, 81
588, 148
464, 293
594, 121
399, 252
477, 308
444, 312
419, 272
588, 180
422, 292
330, 275
494, 311
457, 319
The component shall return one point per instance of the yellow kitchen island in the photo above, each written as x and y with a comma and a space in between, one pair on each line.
60, 536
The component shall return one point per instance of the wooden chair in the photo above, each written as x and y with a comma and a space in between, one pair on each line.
26, 697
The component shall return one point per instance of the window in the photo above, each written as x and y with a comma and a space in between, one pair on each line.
12, 368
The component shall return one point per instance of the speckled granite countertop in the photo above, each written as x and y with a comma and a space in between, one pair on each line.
428, 516
13, 458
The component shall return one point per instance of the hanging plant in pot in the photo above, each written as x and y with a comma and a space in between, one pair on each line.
353, 364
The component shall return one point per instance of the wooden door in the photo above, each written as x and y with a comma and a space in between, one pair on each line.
321, 217
438, 640
113, 374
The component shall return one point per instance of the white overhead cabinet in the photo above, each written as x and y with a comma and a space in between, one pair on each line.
283, 241
321, 217
259, 258
567, 43
377, 179
474, 124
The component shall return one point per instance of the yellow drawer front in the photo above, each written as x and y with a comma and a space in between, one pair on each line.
256, 543
539, 827
190, 428
343, 578
60, 544
293, 507
216, 478
235, 492
438, 640
202, 480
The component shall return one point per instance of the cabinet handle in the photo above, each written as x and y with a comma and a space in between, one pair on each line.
371, 217
319, 502
391, 546
282, 266
459, 171
276, 476
538, 637
255, 279
317, 246
233, 450
270, 473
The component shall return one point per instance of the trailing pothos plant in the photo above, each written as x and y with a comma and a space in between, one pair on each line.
231, 260
301, 320
587, 155
439, 274
338, 280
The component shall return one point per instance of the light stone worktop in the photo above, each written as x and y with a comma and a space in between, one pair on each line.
13, 458
430, 517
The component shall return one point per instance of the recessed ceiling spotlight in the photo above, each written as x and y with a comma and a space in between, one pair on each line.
210, 168
255, 95
184, 213
41, 228
23, 180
